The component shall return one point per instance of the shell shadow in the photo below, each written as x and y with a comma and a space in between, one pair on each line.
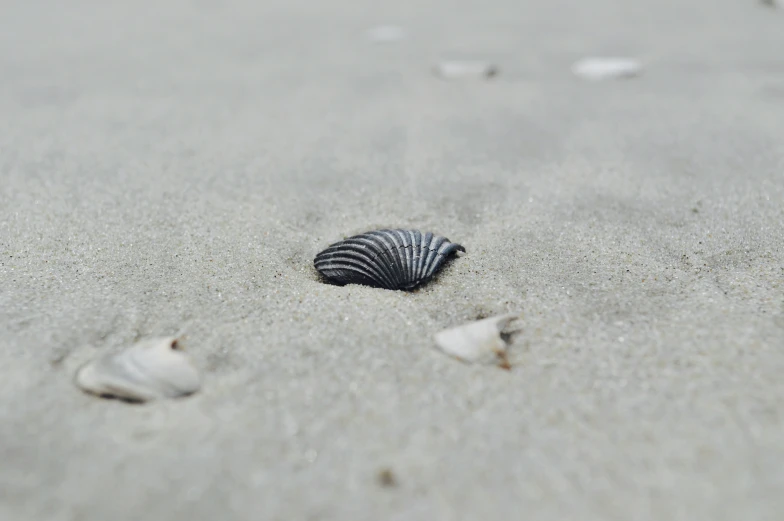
509, 334
129, 401
319, 277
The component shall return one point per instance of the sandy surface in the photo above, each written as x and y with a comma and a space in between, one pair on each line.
174, 169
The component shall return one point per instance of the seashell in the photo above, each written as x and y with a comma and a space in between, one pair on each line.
604, 68
457, 69
477, 342
149, 370
391, 259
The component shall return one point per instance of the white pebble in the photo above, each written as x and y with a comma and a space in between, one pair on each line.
604, 68
458, 69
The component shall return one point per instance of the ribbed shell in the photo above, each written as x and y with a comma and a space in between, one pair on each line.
391, 259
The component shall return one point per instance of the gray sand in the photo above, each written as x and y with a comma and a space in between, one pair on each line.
174, 169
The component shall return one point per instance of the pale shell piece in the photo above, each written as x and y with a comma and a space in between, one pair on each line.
386, 34
477, 342
149, 370
605, 68
460, 69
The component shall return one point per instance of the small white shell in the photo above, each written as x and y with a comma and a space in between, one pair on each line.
477, 342
152, 369
458, 69
604, 68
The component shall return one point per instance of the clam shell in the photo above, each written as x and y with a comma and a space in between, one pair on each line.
149, 370
477, 342
391, 259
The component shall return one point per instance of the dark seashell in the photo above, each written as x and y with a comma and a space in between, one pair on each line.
391, 259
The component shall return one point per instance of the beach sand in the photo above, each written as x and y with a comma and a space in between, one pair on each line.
173, 169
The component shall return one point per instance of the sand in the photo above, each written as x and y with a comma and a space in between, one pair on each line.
172, 168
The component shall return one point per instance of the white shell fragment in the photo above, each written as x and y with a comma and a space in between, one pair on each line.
460, 69
606, 68
386, 34
477, 342
149, 370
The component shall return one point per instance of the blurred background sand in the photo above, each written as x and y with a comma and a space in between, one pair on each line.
173, 167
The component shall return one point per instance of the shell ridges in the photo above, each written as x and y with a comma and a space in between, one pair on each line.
391, 259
